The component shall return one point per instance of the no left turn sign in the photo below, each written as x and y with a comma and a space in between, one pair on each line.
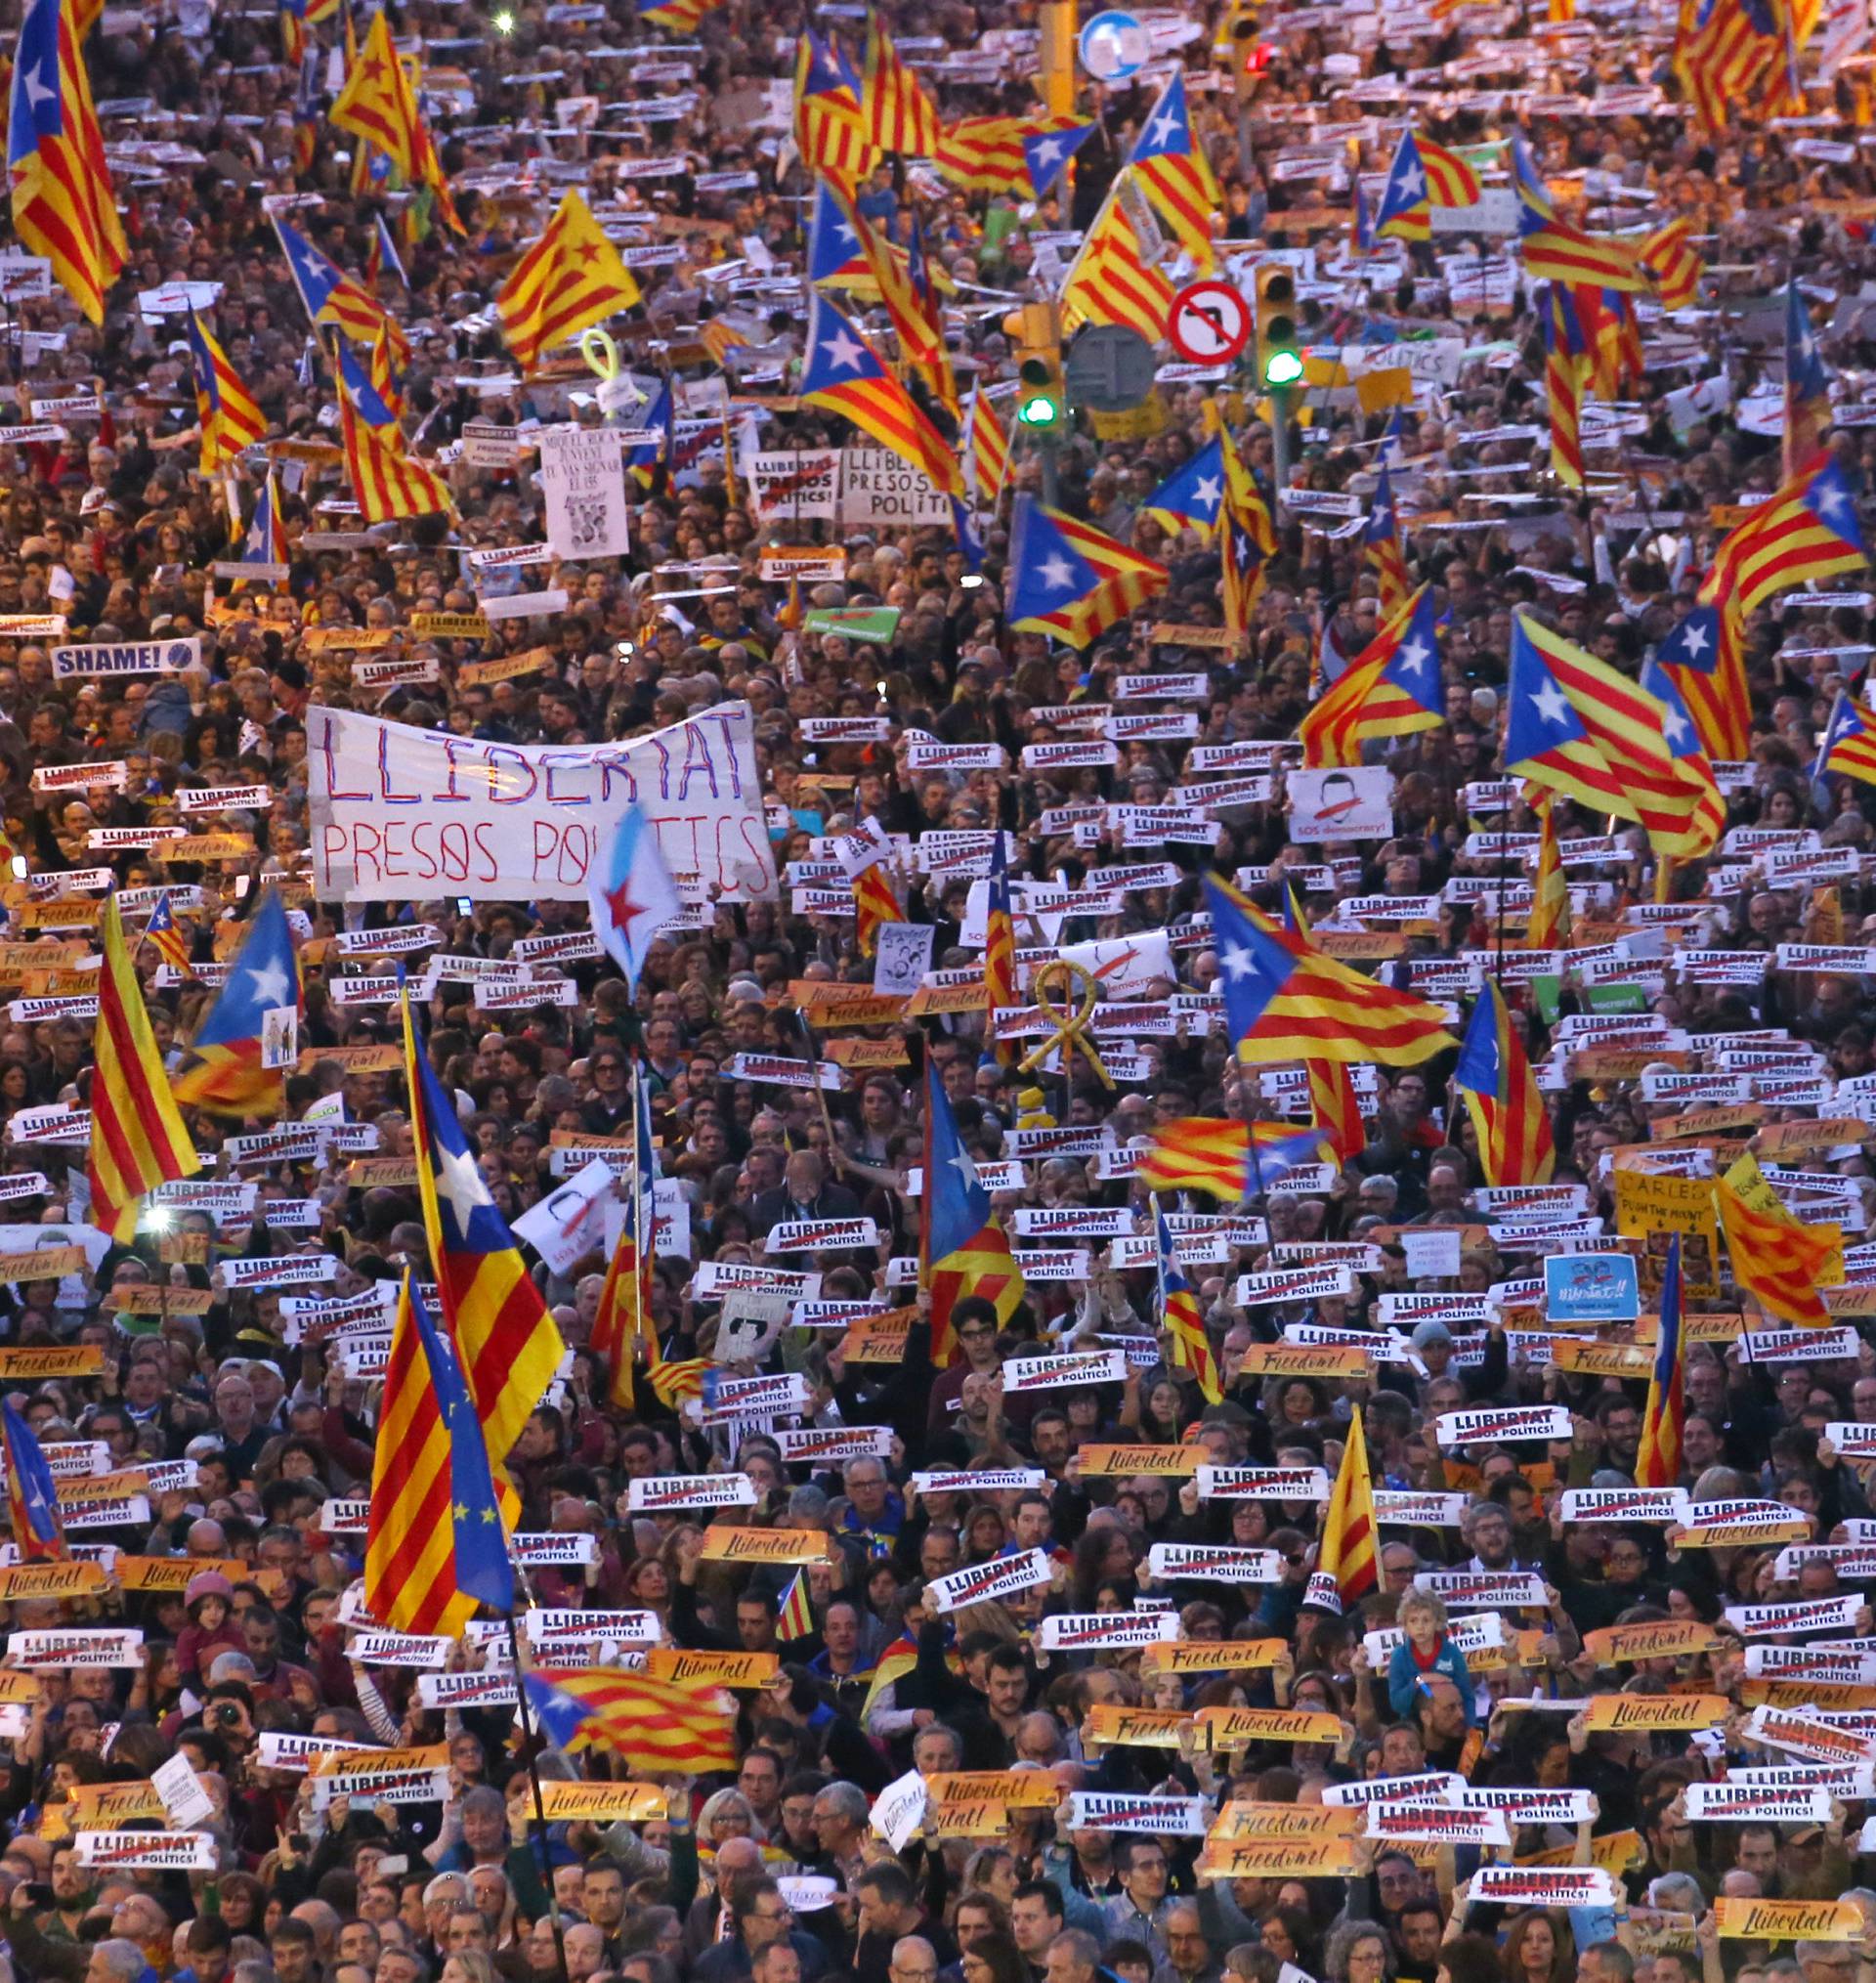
1209, 322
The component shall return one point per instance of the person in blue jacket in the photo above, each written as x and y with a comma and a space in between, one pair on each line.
1426, 1650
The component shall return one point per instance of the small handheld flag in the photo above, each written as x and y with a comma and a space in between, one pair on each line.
631, 895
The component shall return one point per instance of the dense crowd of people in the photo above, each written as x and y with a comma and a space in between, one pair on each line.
1247, 1770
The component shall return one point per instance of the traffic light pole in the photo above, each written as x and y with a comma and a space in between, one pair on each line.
1279, 448
1051, 470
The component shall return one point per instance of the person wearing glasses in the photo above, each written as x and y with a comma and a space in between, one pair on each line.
759, 1918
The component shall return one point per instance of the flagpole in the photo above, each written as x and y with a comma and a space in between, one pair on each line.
834, 1155
539, 1819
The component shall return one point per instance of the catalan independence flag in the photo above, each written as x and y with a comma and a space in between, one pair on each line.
503, 1335
1347, 1566
1336, 1110
1582, 727
1778, 1261
1071, 581
1849, 743
137, 1136
796, 1617
985, 450
1657, 1462
623, 1322
1381, 550
1704, 657
164, 935
1557, 251
571, 278
1199, 1154
32, 1495
1391, 689
1192, 495
1422, 176
1008, 154
829, 124
1113, 278
1170, 162
377, 102
437, 1544
224, 410
999, 930
225, 1073
330, 296
844, 374
1807, 387
1809, 530
1179, 1316
1494, 1075
1669, 256
1284, 1001
655, 1725
389, 482
1730, 52
962, 1249
899, 115
1548, 928
63, 205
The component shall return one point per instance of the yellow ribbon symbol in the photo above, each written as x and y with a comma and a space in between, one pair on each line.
1059, 977
601, 354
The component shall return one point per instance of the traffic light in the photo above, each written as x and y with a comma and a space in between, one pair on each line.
1279, 360
1042, 404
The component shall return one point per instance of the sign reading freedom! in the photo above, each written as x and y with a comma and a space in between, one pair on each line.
403, 816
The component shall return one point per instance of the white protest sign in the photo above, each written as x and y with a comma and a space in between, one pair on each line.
583, 478
401, 814
1005, 1577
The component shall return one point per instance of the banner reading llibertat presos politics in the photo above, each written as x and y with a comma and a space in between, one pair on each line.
403, 816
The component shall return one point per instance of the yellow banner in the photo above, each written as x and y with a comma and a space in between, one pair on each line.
724, 1544
1247, 1819
173, 1573
977, 1818
1179, 1461
1600, 1360
450, 625
880, 1338
1743, 1535
717, 1669
1647, 1203
603, 1803
370, 1762
161, 1300
1614, 1851
1677, 1713
30, 1364
1107, 1726
1216, 1658
51, 1263
1829, 1695
1306, 1360
1619, 1645
205, 846
503, 666
23, 1583
1787, 1921
1025, 1790
1224, 1728
1278, 1859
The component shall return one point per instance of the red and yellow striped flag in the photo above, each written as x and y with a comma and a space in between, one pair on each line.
572, 277
1198, 1153
1550, 925
1347, 1569
138, 1139
1337, 1108
438, 1543
1776, 1259
657, 1725
387, 481
898, 114
377, 105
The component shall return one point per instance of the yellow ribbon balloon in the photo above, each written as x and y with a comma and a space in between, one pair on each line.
1058, 974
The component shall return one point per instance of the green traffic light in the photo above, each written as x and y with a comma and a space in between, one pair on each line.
1282, 368
1039, 410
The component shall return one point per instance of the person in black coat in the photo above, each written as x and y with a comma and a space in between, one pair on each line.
804, 1193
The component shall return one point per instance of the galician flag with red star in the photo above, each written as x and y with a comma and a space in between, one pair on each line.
631, 895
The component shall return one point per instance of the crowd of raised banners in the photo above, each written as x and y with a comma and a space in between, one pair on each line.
940, 990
